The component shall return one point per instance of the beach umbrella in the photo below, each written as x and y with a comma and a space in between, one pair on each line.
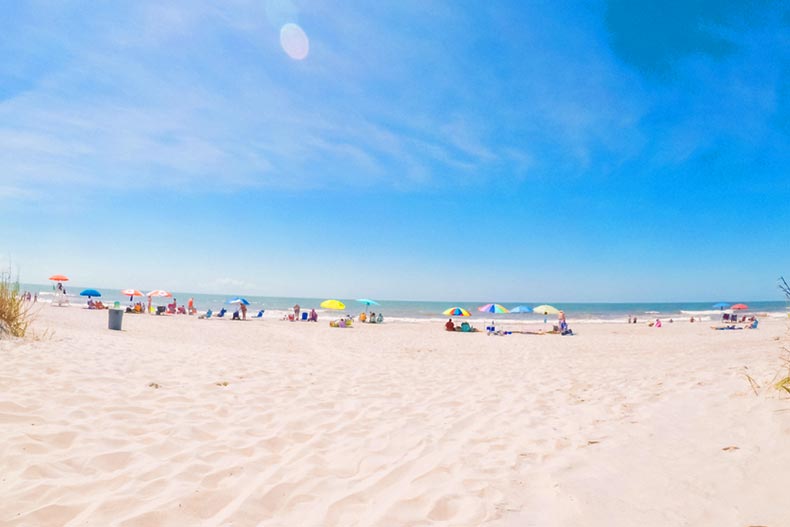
493, 308
131, 293
333, 304
721, 305
739, 307
457, 312
59, 278
238, 300
368, 302
159, 292
545, 310
90, 293
521, 309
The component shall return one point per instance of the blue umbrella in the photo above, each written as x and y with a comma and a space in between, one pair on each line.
90, 292
238, 300
368, 302
521, 309
721, 305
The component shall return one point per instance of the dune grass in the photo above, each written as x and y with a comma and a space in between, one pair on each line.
14, 319
783, 384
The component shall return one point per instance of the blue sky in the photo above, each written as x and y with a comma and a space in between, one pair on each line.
587, 151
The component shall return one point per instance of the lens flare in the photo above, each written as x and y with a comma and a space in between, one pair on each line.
294, 41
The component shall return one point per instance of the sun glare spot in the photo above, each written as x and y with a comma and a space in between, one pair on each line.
294, 41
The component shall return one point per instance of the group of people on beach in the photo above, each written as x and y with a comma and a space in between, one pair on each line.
560, 328
28, 297
311, 317
372, 318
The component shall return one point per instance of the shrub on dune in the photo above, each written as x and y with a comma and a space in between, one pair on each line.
13, 312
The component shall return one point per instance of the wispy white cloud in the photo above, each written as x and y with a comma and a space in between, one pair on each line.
198, 96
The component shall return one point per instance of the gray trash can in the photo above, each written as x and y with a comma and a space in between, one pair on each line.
116, 319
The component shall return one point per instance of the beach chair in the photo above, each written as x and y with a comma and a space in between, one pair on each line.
259, 315
304, 316
466, 328
222, 312
207, 315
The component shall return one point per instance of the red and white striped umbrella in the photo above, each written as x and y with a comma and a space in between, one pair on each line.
159, 292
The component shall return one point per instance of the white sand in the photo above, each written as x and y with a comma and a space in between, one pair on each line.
398, 424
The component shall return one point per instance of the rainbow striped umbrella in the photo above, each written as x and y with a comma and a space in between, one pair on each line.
493, 308
457, 312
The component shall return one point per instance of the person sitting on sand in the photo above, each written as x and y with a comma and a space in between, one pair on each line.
692, 319
313, 316
236, 315
449, 326
658, 323
372, 318
379, 318
363, 317
91, 304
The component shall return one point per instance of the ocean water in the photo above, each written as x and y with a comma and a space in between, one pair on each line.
277, 307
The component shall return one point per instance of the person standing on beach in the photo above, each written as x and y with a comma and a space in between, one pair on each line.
296, 311
243, 311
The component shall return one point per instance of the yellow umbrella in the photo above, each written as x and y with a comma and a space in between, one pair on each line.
546, 309
333, 304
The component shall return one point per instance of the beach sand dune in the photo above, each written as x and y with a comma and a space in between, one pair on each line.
178, 421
